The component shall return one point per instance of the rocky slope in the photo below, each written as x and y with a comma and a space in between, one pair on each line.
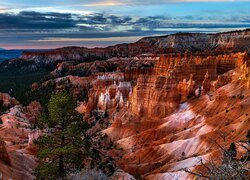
163, 145
227, 41
175, 115
193, 42
16, 136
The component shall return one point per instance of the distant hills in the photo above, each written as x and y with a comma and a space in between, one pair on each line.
9, 54
233, 41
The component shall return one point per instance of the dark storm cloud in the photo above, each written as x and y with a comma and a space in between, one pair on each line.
51, 20
35, 20
115, 20
97, 18
30, 21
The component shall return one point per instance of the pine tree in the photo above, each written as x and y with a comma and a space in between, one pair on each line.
63, 147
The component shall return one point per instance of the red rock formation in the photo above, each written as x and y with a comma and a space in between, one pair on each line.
155, 96
7, 100
16, 159
103, 80
236, 41
160, 94
186, 88
185, 64
32, 111
15, 131
222, 80
206, 84
162, 148
162, 130
4, 156
132, 73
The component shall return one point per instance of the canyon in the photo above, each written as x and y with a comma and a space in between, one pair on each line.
163, 104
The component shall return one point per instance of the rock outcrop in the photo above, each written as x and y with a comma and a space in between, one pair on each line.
16, 136
235, 41
160, 94
162, 148
4, 156
186, 88
7, 101
155, 96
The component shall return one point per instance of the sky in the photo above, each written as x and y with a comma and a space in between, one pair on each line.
45, 24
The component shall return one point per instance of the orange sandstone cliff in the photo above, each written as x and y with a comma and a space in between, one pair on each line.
175, 115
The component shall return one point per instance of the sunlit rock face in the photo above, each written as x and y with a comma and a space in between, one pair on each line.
16, 141
112, 90
133, 73
157, 91
184, 64
186, 88
174, 114
107, 79
163, 118
221, 81
176, 78
155, 96
160, 148
113, 97
108, 92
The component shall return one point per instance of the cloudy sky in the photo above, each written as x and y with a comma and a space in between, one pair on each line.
56, 23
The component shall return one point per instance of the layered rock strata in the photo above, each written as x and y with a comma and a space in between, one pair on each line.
235, 41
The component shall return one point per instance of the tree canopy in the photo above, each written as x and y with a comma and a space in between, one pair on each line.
63, 145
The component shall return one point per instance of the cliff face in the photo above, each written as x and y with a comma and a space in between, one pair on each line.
174, 113
160, 148
177, 77
193, 42
155, 96
157, 91
229, 41
16, 139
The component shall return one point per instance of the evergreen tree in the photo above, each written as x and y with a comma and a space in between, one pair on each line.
63, 147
